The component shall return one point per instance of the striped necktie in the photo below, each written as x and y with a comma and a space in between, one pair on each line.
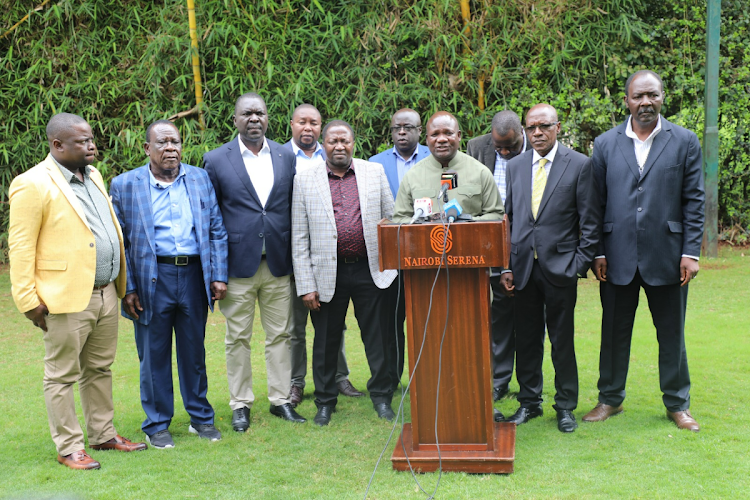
540, 181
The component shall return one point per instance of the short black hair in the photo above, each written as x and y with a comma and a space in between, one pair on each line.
61, 122
642, 72
249, 95
158, 122
505, 121
336, 123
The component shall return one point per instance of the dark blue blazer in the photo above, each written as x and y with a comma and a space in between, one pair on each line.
131, 199
388, 160
650, 220
246, 220
565, 232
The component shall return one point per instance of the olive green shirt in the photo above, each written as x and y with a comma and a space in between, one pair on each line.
476, 191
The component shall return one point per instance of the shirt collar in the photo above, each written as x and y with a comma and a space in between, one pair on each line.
69, 176
413, 155
550, 156
265, 149
630, 133
296, 150
331, 174
161, 184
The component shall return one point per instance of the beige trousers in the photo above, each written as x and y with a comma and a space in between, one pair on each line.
80, 347
238, 307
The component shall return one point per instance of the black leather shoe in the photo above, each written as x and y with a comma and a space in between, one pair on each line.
287, 413
566, 421
499, 417
499, 393
323, 417
385, 411
524, 414
241, 419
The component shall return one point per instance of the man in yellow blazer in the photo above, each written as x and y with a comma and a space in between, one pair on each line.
67, 268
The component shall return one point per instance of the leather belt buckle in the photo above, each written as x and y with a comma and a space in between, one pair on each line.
181, 260
350, 260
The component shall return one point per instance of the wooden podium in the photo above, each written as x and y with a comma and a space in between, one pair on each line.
468, 437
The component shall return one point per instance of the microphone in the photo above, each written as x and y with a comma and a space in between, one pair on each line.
422, 208
453, 210
448, 180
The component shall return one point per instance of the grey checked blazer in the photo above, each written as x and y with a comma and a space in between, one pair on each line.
314, 234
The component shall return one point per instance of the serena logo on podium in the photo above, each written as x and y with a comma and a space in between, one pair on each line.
438, 240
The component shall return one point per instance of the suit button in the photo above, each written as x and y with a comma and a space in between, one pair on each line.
91, 245
260, 235
640, 209
263, 212
334, 236
153, 280
640, 188
333, 258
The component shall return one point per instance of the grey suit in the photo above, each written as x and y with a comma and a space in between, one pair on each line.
564, 237
650, 221
503, 339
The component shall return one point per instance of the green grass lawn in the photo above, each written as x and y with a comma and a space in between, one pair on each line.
639, 454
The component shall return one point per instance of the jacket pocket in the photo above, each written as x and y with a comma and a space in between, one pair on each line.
52, 265
567, 246
234, 237
674, 227
607, 227
562, 189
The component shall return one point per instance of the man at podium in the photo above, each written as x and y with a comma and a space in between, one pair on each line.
475, 188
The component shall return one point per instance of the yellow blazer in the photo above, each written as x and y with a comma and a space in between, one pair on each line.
51, 247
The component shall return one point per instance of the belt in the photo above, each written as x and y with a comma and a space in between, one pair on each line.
102, 287
178, 260
351, 260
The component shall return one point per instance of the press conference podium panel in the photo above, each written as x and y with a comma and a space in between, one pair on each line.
468, 437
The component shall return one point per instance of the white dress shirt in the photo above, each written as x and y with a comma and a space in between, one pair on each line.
642, 148
260, 169
303, 161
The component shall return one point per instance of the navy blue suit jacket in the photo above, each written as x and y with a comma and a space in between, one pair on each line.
565, 232
650, 219
131, 199
388, 160
246, 220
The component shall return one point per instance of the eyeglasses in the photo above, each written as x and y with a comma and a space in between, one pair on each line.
542, 126
407, 128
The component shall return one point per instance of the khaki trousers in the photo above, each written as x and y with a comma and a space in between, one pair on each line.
238, 307
80, 347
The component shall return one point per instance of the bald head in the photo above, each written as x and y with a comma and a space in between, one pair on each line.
542, 127
60, 125
443, 137
406, 127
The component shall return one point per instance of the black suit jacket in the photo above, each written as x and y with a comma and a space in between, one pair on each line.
483, 149
565, 233
651, 219
246, 220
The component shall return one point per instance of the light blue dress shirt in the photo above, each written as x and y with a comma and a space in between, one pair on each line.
403, 166
174, 231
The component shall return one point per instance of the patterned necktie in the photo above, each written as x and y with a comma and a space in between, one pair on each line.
540, 181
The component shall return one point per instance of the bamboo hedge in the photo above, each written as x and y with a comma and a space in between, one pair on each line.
125, 63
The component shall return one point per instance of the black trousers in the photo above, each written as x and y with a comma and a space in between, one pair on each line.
503, 339
395, 330
539, 294
667, 305
353, 282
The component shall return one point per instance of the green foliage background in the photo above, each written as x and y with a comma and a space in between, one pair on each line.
124, 63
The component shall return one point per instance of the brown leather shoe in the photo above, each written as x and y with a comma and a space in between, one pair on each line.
347, 389
79, 460
684, 420
120, 443
295, 395
601, 412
